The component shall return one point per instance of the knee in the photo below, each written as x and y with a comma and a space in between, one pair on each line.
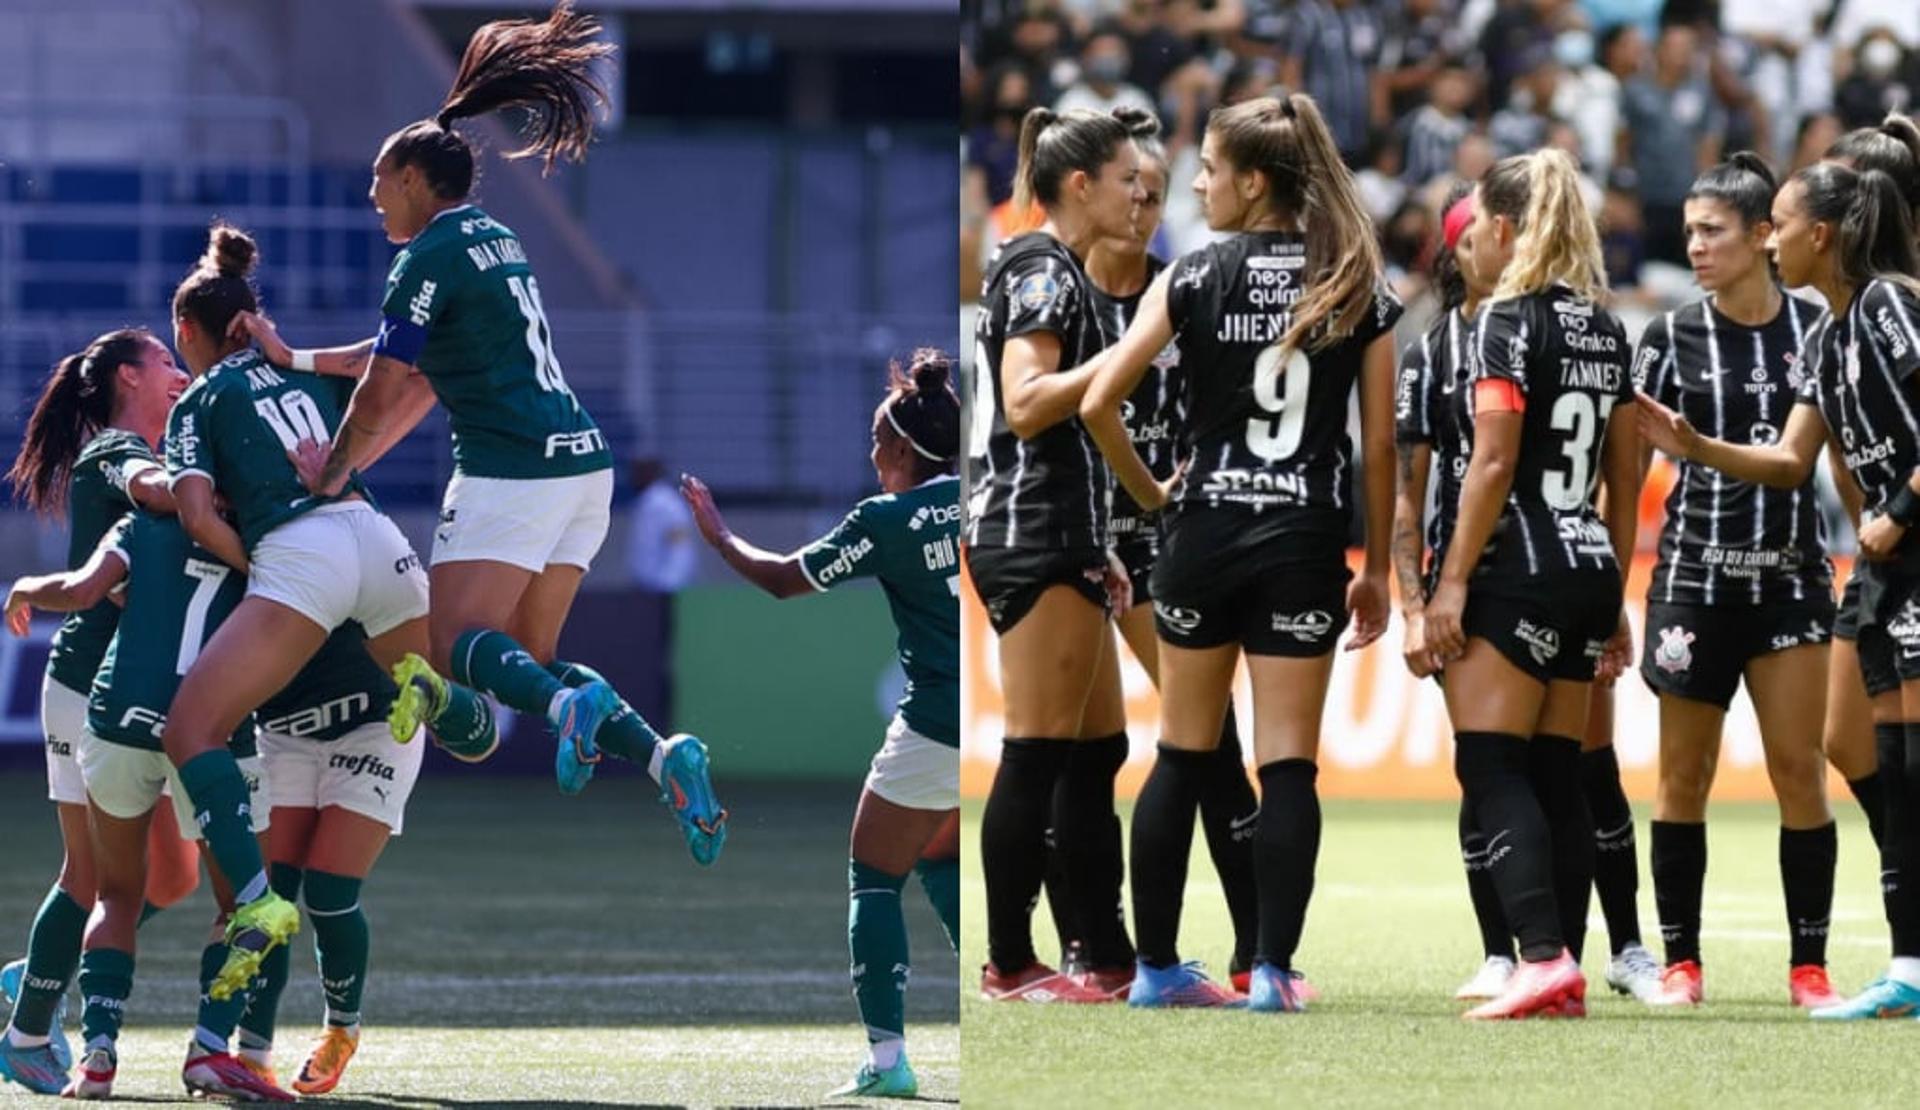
1684, 787
171, 882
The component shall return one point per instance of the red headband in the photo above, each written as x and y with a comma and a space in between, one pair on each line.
1456, 221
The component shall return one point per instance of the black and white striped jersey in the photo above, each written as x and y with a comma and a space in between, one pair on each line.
1569, 357
1862, 378
1153, 414
1433, 369
1048, 492
1728, 542
1260, 433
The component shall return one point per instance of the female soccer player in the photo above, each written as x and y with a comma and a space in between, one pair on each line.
1276, 327
1036, 549
908, 538
1119, 271
87, 452
1742, 588
528, 505
1529, 592
1848, 235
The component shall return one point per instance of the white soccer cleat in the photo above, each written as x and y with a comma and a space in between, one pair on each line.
1634, 971
1488, 982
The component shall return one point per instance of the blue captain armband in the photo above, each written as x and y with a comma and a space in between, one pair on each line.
400, 339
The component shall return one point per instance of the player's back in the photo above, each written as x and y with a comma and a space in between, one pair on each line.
340, 689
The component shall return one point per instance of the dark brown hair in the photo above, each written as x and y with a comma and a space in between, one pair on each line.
922, 407
74, 405
1053, 145
220, 285
1873, 234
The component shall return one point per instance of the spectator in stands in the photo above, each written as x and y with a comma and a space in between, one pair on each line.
1622, 231
1520, 126
1766, 39
1103, 78
661, 547
1435, 129
1817, 132
1380, 180
1882, 81
1853, 19
1588, 96
994, 147
1333, 47
1517, 28
1471, 160
1426, 38
1673, 132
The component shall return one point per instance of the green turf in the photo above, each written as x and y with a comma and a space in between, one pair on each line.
1389, 937
534, 949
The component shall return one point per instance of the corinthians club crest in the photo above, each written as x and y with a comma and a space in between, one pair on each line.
1675, 652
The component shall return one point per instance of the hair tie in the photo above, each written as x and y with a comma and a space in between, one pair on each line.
888, 411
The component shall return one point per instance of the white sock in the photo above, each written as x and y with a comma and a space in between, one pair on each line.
882, 1055
654, 761
553, 707
260, 1056
24, 1040
1905, 969
254, 889
205, 1042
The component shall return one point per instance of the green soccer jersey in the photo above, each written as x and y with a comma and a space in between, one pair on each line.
96, 500
235, 424
910, 542
463, 306
177, 594
340, 689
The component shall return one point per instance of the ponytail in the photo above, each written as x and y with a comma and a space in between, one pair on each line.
1744, 183
74, 405
1558, 242
1056, 144
220, 285
1873, 231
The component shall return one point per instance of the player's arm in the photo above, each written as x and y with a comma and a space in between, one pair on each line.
1621, 472
1116, 372
1782, 465
68, 591
1415, 460
414, 401
374, 421
1037, 393
1851, 499
780, 575
1369, 598
193, 494
1483, 493
342, 362
148, 486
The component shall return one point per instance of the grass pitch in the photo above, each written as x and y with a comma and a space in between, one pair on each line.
1389, 937
535, 950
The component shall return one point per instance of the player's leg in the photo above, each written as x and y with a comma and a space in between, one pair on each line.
37, 984
210, 1069
1631, 969
1087, 833
341, 855
1690, 731
293, 832
118, 823
1553, 766
173, 864
1848, 733
939, 871
1496, 937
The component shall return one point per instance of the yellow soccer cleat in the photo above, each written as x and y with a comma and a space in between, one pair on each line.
257, 928
322, 1071
423, 694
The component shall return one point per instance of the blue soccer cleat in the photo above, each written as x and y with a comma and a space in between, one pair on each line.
897, 1081
687, 788
1883, 998
1274, 991
12, 977
32, 1068
582, 712
1181, 985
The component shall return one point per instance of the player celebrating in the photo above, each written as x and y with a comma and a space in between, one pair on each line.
528, 505
1276, 327
87, 452
1036, 551
1520, 650
908, 538
1848, 235
1742, 588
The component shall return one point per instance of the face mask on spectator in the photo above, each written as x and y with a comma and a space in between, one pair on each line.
1573, 49
1107, 70
1879, 57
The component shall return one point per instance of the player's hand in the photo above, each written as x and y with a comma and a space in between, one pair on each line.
1616, 657
1446, 639
19, 613
1413, 648
256, 328
1370, 604
1118, 583
309, 458
1167, 487
1664, 428
706, 515
1879, 537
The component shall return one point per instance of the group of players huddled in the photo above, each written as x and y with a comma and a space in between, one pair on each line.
1178, 433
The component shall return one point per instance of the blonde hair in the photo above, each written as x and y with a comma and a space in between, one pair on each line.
1558, 241
1288, 141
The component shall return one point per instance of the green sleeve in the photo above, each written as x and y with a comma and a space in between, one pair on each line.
189, 450
847, 552
418, 289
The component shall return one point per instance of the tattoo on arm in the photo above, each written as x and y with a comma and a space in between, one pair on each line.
1407, 543
340, 458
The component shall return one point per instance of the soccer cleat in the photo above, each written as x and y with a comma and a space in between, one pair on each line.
1810, 989
687, 787
1243, 981
583, 709
1487, 982
323, 1069
12, 978
1114, 982
96, 1076
1035, 983
36, 1069
1883, 998
1634, 971
1539, 988
221, 1076
1681, 984
1273, 990
264, 1071
897, 1081
423, 694
1181, 985
256, 929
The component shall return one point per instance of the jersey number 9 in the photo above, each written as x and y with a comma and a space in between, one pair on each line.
1281, 393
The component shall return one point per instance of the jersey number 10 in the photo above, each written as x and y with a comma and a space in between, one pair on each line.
546, 365
293, 417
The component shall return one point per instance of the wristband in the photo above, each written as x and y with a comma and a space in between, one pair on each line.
1903, 508
302, 360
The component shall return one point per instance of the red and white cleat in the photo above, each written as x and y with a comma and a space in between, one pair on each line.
1035, 983
1113, 982
1539, 988
95, 1080
1681, 984
221, 1076
1811, 989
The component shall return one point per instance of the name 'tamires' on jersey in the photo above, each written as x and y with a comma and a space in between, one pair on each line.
1156, 410
1433, 370
177, 594
97, 499
235, 424
1261, 433
1048, 492
1569, 357
1728, 541
462, 304
1862, 378
910, 542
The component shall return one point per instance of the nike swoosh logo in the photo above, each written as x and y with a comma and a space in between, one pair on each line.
1609, 834
1238, 823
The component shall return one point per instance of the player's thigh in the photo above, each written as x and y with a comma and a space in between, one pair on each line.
1047, 663
469, 594
1136, 628
1289, 698
946, 842
891, 838
346, 843
1106, 710
1848, 725
173, 867
120, 856
1690, 732
1195, 685
293, 828
254, 654
1792, 710
1565, 708
1487, 692
543, 609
